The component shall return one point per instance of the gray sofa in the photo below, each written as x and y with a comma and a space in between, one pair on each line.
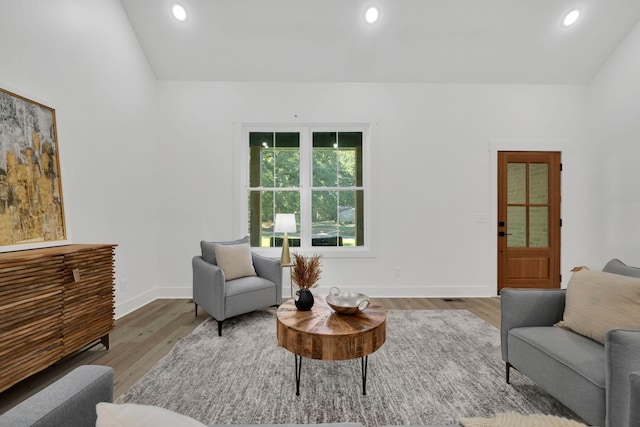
598, 382
70, 401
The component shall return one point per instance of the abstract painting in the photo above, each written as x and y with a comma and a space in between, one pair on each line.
31, 208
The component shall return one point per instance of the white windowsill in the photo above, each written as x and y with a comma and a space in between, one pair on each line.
326, 252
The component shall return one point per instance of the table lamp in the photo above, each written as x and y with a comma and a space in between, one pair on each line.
285, 223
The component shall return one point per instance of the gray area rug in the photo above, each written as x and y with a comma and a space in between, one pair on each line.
435, 367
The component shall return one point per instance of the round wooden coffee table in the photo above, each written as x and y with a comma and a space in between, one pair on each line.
323, 334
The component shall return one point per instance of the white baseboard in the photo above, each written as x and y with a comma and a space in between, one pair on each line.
407, 291
410, 291
175, 292
132, 304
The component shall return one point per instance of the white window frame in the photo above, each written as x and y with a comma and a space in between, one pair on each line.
306, 132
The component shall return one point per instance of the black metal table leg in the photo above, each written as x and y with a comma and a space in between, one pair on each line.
363, 362
298, 371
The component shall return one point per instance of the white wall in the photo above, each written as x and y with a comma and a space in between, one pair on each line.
157, 185
83, 59
434, 170
614, 115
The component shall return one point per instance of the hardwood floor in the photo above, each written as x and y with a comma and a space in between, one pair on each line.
143, 337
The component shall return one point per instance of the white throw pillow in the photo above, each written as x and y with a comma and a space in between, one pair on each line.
598, 301
234, 260
134, 415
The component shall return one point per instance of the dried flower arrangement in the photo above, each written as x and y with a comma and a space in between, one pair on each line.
306, 271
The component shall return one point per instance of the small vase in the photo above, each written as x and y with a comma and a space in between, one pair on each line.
304, 300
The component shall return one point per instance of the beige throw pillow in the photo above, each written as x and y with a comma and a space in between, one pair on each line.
234, 260
134, 415
598, 301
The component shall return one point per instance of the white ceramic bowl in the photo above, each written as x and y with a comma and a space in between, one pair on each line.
347, 302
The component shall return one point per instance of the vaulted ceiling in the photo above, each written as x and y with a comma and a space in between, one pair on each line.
438, 41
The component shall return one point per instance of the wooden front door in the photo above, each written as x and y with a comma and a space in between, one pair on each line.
528, 219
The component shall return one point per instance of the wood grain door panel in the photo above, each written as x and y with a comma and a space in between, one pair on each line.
528, 219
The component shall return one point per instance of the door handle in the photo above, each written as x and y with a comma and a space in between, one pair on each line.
503, 234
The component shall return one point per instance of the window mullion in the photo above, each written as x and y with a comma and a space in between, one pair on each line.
273, 191
338, 184
305, 187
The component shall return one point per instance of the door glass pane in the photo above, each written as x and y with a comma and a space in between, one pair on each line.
538, 183
517, 226
516, 183
539, 227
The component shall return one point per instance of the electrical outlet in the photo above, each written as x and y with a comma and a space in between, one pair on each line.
123, 285
397, 272
481, 218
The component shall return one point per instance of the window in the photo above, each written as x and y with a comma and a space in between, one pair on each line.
316, 174
337, 195
274, 184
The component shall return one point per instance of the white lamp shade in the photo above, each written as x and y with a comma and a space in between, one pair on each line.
285, 223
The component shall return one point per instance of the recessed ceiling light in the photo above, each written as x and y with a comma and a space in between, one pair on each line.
371, 15
571, 18
179, 12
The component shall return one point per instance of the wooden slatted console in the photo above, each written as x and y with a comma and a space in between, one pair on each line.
53, 302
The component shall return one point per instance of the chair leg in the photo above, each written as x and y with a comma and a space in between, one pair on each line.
196, 308
508, 367
219, 327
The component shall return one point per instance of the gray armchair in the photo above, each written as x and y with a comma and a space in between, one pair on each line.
598, 382
224, 299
